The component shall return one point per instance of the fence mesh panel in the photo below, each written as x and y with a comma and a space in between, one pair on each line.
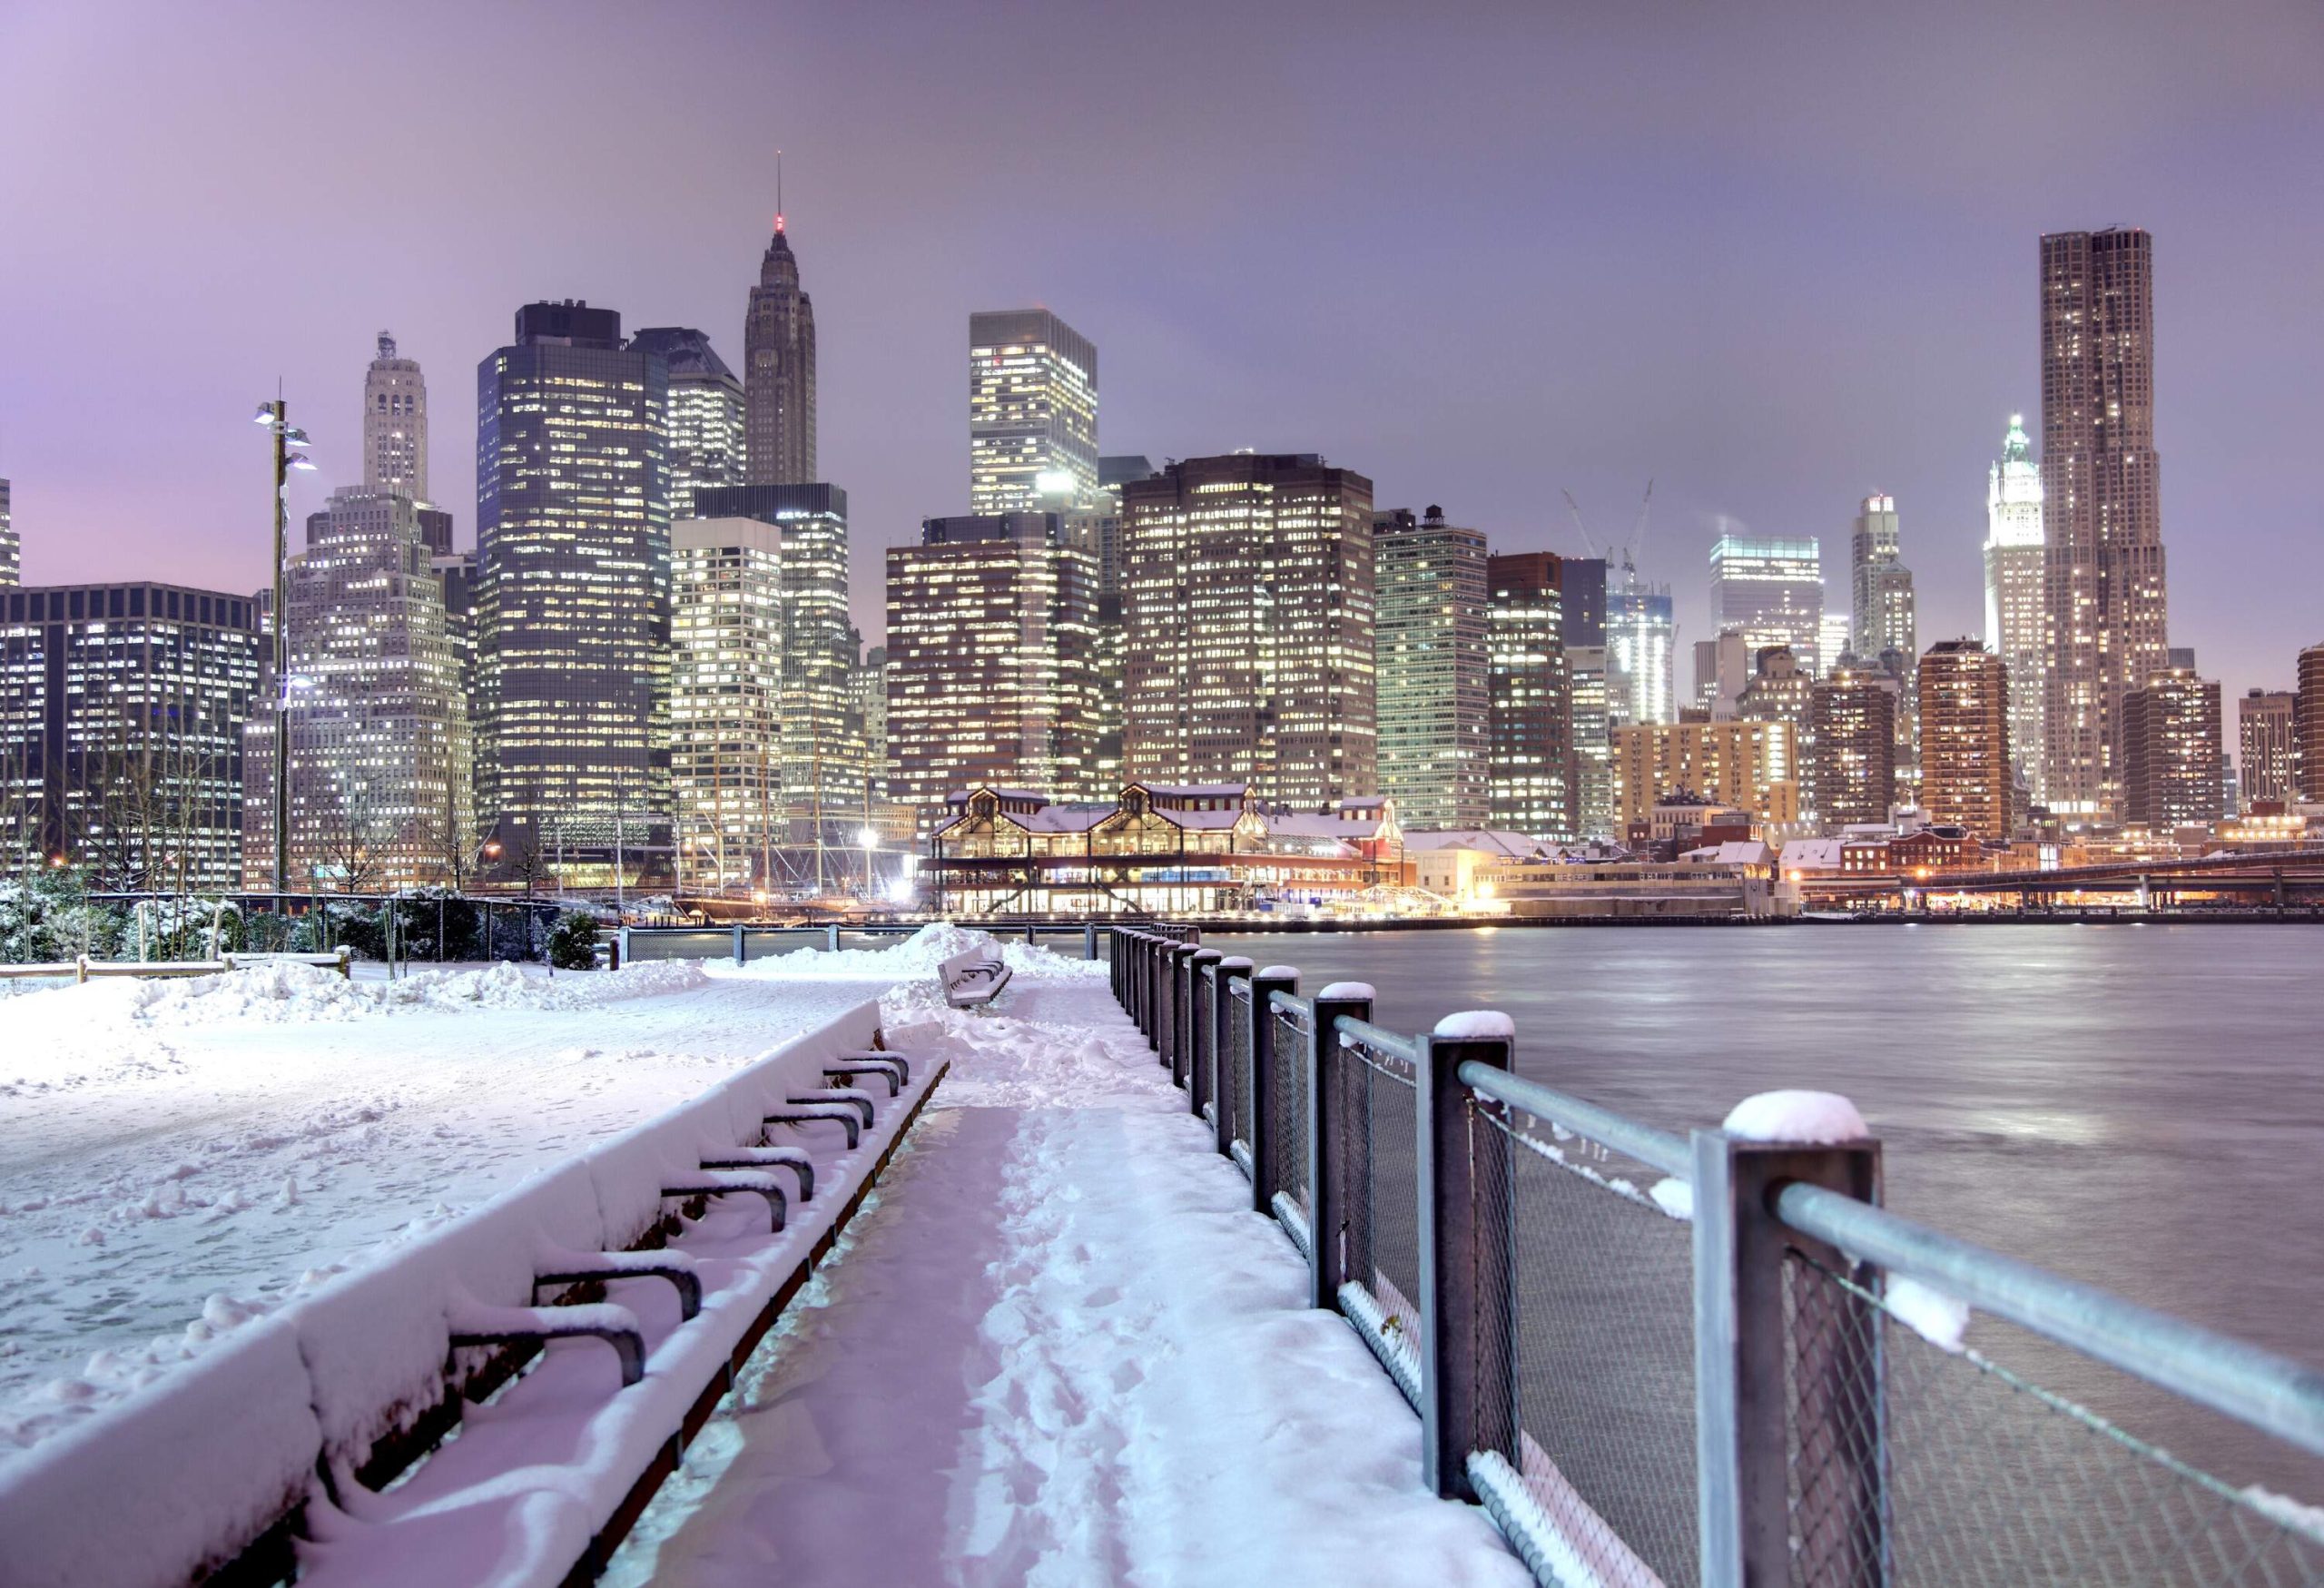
1384, 1258
1287, 1126
1601, 1333
1989, 1478
1238, 1100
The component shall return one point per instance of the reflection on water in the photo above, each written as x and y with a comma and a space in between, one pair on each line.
2139, 1107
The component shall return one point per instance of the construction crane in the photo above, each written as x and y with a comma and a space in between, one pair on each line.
1637, 546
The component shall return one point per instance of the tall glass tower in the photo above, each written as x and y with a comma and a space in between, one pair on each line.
573, 533
706, 413
1433, 664
1032, 413
1771, 588
2101, 514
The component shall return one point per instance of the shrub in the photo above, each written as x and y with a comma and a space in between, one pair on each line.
573, 942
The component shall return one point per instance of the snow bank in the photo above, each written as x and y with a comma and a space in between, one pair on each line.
1477, 1024
1812, 1118
293, 993
183, 1471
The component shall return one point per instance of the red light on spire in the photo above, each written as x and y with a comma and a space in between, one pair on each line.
778, 221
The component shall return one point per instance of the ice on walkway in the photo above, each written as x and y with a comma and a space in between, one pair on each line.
177, 1157
1058, 1348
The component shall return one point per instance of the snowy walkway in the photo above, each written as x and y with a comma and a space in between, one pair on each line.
1058, 1349
175, 1153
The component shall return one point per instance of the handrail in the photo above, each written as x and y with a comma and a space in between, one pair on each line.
1292, 1003
1390, 1042
1655, 1148
2270, 1393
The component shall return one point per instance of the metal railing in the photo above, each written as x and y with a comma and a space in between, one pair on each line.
743, 944
1659, 1359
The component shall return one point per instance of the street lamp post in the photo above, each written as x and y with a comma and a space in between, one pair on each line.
276, 416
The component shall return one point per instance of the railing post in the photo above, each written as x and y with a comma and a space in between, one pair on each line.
1467, 1387
622, 936
1196, 1048
740, 955
1741, 1438
1327, 1154
1221, 1043
831, 937
1153, 1021
1264, 985
1177, 1016
1089, 939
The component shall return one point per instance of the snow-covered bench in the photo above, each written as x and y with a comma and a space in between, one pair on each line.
974, 979
336, 960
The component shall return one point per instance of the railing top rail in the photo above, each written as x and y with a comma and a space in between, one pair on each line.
1292, 1003
1655, 1148
1380, 1038
2256, 1387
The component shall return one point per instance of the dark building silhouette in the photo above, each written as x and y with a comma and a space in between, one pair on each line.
779, 372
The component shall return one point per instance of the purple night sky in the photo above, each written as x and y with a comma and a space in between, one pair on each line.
1774, 256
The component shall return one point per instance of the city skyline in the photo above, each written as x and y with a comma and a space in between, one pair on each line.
1785, 423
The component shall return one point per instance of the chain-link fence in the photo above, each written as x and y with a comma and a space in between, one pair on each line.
1914, 1458
1650, 1360
1600, 1348
1287, 1127
1377, 1075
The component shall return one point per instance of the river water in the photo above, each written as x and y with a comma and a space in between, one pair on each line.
2139, 1107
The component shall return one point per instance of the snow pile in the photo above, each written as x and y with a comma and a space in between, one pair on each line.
290, 993
1940, 1319
919, 954
1807, 1118
1352, 991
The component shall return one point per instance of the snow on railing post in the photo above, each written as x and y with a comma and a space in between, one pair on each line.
1468, 1392
1264, 985
1221, 1085
1201, 1047
1336, 1156
1741, 1437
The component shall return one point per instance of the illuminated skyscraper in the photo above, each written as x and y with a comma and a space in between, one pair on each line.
726, 702
824, 769
993, 634
1533, 785
2102, 517
2016, 614
1642, 650
1248, 613
1773, 590
2266, 729
121, 731
1881, 613
395, 426
1433, 667
707, 411
2308, 727
1852, 764
1032, 413
779, 371
2170, 753
1965, 738
11, 556
380, 750
1779, 692
572, 532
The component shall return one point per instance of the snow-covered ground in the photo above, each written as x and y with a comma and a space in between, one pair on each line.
1058, 1348
175, 1154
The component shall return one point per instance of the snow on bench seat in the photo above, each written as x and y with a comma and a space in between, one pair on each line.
974, 979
